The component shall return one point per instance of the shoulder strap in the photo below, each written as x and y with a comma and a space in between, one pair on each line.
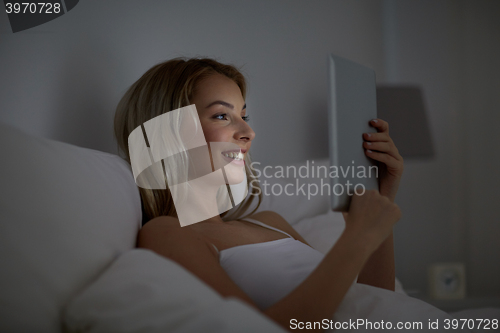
218, 252
266, 226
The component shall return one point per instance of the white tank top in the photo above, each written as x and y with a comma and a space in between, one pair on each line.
269, 271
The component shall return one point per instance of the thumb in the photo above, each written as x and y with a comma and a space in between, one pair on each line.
345, 214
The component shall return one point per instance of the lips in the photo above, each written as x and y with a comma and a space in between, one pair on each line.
235, 151
235, 156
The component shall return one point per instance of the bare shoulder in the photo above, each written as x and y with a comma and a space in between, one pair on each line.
274, 219
190, 249
162, 222
165, 233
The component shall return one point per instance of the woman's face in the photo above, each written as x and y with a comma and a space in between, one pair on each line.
222, 112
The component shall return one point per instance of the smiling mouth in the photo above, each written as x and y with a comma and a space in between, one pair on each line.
235, 155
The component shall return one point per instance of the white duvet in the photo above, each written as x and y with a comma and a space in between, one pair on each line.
143, 292
375, 309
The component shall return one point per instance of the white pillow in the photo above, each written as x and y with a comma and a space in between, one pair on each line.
144, 292
66, 212
321, 231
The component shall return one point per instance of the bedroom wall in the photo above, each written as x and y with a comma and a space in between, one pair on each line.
62, 80
73, 70
481, 115
451, 49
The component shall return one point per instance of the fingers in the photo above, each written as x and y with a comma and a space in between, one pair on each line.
383, 147
383, 137
382, 134
369, 193
391, 162
380, 125
375, 197
380, 142
346, 215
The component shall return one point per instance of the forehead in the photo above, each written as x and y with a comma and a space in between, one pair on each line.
218, 86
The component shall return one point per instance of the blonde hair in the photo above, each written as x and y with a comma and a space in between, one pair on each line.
166, 87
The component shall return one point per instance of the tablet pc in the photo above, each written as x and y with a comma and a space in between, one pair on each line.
352, 103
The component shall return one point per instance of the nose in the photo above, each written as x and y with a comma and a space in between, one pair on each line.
244, 132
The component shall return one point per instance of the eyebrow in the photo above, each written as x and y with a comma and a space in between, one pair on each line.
226, 104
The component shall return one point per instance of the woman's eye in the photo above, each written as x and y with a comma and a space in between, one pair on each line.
221, 116
224, 117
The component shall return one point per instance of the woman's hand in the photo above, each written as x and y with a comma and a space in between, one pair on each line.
372, 216
380, 147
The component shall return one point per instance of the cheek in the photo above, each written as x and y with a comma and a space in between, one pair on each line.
216, 133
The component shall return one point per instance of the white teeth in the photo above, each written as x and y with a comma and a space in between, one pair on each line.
234, 156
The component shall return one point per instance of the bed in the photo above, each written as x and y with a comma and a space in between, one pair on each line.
69, 220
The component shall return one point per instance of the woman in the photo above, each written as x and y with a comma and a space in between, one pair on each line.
249, 259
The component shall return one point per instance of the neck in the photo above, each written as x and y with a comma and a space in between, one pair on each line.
199, 203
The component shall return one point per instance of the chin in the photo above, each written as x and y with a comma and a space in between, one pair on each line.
235, 173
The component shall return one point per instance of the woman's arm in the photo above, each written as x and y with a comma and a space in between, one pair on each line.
319, 295
370, 222
379, 270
